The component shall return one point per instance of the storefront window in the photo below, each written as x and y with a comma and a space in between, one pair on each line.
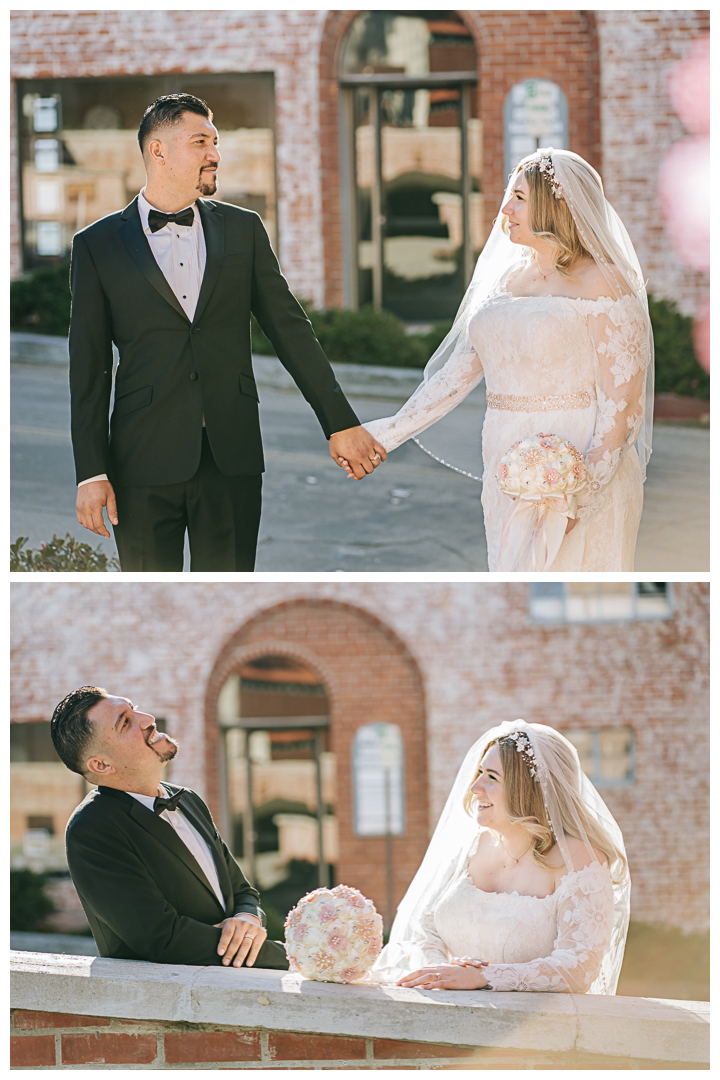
80, 158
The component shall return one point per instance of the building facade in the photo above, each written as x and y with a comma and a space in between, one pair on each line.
375, 145
281, 695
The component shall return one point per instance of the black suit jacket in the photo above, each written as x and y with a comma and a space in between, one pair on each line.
144, 894
172, 371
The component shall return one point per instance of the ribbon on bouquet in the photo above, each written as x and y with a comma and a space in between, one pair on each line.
534, 531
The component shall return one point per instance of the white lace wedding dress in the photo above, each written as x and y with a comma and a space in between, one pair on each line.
554, 943
552, 364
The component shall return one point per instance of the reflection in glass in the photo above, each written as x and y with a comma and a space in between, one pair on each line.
584, 601
422, 202
411, 43
535, 115
418, 187
83, 134
280, 778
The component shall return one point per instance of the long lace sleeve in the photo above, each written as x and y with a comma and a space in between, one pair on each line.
620, 339
428, 947
431, 401
584, 927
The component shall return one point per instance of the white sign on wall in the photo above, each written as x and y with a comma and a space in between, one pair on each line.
378, 781
535, 115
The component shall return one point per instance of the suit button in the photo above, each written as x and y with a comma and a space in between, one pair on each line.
193, 376
195, 330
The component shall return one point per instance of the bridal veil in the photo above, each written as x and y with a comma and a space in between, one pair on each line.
604, 236
564, 787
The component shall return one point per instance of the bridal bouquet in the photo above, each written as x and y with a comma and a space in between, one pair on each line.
545, 474
333, 935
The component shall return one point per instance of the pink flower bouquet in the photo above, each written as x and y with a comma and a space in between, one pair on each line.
333, 935
545, 474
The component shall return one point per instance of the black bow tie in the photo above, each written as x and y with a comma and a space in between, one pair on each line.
161, 804
156, 220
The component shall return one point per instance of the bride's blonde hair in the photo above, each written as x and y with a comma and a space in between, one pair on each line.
550, 219
524, 802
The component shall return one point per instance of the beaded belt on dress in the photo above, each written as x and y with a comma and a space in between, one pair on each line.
539, 402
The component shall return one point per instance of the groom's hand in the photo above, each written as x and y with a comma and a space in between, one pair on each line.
355, 450
241, 938
91, 498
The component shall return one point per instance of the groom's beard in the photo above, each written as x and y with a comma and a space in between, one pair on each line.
207, 184
166, 748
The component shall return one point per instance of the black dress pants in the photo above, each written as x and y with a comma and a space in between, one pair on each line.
221, 515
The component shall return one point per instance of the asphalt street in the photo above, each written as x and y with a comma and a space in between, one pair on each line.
413, 514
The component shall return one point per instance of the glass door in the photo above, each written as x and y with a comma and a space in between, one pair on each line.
279, 780
417, 168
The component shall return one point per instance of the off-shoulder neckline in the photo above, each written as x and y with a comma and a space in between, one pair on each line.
571, 299
556, 890
531, 896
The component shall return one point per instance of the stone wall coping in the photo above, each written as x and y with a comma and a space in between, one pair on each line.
648, 1028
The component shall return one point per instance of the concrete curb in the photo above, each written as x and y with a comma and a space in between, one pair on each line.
360, 380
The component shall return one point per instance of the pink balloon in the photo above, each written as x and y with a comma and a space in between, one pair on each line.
683, 185
688, 86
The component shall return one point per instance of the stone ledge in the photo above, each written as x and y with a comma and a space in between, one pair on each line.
640, 1028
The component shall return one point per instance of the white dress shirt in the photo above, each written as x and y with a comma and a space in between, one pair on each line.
180, 253
191, 838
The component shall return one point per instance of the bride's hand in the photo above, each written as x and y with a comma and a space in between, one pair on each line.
445, 977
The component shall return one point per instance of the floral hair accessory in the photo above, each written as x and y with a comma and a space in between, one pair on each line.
333, 935
545, 166
524, 747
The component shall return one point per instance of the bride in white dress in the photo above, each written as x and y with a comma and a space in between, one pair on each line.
525, 884
556, 321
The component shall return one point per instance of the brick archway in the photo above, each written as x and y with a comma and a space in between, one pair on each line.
369, 677
558, 45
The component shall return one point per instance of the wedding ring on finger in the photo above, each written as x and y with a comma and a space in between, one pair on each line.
375, 458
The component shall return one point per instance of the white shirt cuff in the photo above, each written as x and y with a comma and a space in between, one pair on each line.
102, 476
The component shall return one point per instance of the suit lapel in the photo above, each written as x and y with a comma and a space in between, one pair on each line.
213, 224
136, 242
165, 833
222, 871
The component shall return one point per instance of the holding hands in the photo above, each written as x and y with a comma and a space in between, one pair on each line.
462, 973
355, 451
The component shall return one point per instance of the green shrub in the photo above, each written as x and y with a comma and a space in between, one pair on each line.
367, 337
676, 368
29, 903
59, 555
40, 301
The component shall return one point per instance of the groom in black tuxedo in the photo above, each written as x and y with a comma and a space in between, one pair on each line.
153, 875
172, 280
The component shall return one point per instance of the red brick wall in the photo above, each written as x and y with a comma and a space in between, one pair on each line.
62, 1040
611, 64
542, 44
477, 659
637, 49
370, 678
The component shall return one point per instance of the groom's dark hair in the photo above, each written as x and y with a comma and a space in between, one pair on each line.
166, 111
70, 728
